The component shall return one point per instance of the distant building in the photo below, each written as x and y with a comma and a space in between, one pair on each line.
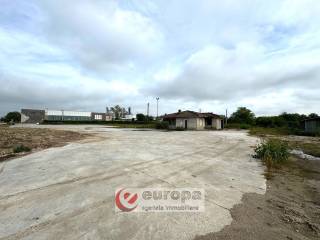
38, 116
193, 120
312, 125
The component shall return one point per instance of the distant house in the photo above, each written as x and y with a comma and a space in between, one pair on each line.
312, 125
193, 120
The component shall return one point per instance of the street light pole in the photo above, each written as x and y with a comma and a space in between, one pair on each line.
157, 106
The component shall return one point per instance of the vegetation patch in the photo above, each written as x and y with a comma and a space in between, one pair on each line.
21, 148
273, 152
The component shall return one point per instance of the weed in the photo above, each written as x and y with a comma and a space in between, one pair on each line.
272, 152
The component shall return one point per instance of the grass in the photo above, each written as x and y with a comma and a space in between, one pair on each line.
273, 152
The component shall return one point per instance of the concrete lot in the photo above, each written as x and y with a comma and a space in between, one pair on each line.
68, 192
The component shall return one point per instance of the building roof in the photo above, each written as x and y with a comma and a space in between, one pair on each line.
190, 114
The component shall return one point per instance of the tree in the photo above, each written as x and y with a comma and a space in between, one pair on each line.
12, 117
313, 115
118, 111
242, 115
143, 118
140, 117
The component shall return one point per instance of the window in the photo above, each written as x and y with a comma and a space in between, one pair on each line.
98, 117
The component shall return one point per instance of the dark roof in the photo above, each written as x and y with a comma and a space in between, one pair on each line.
190, 114
313, 119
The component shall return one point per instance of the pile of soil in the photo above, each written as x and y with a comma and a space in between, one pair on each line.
290, 209
33, 138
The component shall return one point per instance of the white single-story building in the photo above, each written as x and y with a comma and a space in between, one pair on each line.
193, 120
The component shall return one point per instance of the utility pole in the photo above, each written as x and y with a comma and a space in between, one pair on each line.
157, 107
226, 116
148, 109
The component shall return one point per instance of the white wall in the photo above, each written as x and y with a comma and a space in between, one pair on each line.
192, 123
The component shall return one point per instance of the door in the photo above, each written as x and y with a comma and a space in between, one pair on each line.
186, 124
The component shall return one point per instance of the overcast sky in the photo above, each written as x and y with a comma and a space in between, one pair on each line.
200, 54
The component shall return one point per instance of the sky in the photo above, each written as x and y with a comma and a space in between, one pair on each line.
207, 55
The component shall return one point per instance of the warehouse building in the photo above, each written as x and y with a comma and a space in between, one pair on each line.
38, 116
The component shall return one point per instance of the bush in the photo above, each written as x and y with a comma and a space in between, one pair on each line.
179, 129
162, 125
21, 148
272, 152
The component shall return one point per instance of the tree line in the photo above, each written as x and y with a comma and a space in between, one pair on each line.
245, 116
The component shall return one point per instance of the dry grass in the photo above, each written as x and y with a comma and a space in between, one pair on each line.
33, 139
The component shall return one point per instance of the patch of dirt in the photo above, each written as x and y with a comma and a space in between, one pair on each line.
290, 209
34, 138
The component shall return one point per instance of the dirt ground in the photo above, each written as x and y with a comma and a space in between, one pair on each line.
34, 138
290, 209
68, 192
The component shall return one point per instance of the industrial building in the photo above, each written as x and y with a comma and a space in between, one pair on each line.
38, 116
193, 120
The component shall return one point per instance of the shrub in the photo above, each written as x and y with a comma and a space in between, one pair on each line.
162, 125
21, 148
179, 129
272, 152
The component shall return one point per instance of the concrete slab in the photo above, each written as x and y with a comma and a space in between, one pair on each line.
68, 192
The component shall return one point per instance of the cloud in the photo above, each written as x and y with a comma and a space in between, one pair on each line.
216, 73
101, 35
